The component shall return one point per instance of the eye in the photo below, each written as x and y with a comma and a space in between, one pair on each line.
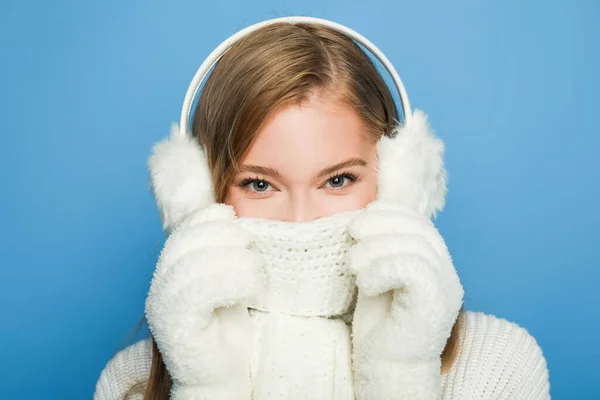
341, 180
255, 185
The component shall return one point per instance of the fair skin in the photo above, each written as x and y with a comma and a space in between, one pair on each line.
308, 161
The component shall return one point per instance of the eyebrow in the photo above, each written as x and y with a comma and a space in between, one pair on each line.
351, 162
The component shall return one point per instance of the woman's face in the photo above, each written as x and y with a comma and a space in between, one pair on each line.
308, 161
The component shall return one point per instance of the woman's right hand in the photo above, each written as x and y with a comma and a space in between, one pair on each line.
196, 306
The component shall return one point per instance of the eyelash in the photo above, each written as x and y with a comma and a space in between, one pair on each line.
343, 174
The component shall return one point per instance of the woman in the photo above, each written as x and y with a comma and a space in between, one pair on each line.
294, 120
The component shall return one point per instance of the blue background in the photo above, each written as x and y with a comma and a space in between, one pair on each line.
88, 87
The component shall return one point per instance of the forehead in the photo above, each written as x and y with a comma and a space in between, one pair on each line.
302, 139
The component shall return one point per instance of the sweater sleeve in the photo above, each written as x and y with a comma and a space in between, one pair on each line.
498, 359
127, 368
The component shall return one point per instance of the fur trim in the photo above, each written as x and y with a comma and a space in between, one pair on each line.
386, 380
408, 300
179, 178
411, 167
196, 307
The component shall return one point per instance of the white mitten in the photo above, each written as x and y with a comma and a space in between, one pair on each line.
409, 296
196, 306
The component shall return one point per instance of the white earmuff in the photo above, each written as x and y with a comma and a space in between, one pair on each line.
411, 161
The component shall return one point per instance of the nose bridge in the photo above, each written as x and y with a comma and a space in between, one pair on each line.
303, 207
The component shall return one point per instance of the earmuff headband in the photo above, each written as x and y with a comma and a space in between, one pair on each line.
218, 52
411, 160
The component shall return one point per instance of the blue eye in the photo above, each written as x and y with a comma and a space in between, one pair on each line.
260, 186
255, 185
338, 181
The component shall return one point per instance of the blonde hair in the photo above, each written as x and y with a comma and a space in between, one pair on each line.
274, 67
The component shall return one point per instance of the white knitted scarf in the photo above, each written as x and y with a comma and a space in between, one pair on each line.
302, 345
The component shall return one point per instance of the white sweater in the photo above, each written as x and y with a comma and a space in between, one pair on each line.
497, 360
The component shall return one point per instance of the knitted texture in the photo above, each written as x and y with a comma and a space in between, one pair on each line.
126, 369
302, 346
306, 264
497, 360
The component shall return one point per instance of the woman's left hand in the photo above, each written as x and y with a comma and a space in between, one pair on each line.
409, 296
